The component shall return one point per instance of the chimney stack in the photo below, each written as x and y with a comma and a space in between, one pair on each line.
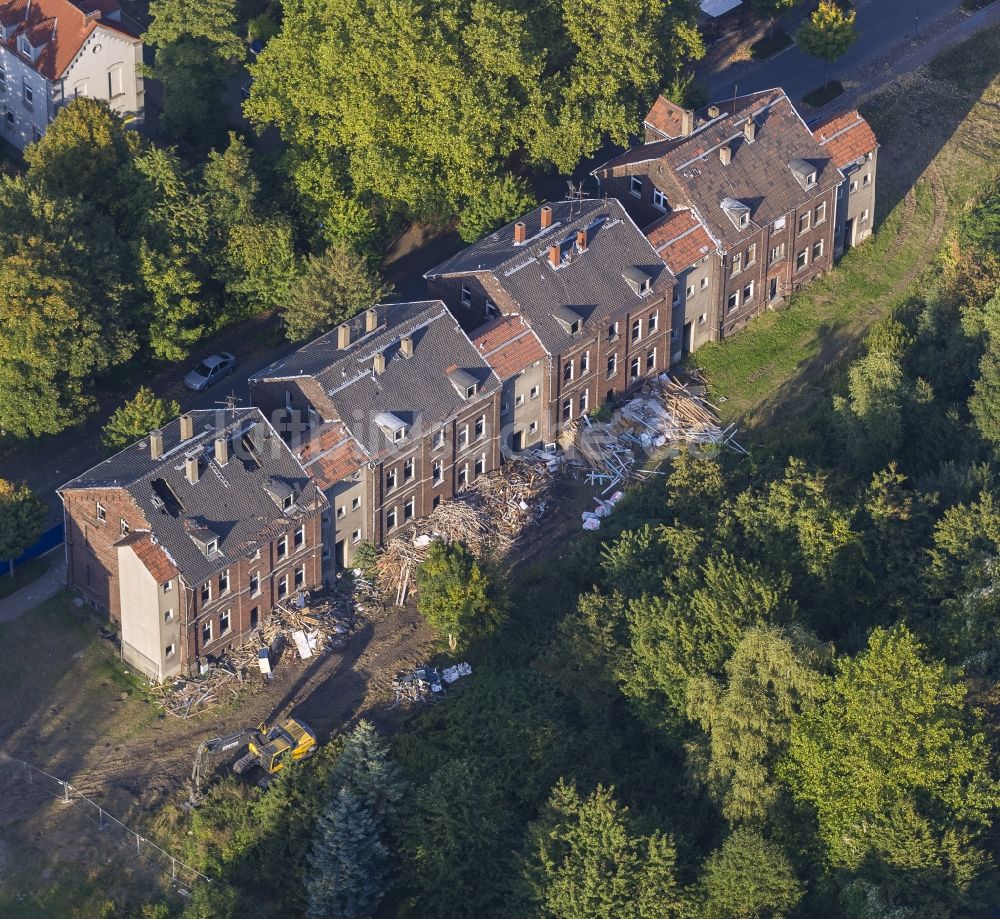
687, 123
750, 130
582, 239
371, 320
155, 444
725, 154
191, 469
546, 216
713, 111
222, 450
344, 336
520, 233
406, 346
187, 427
555, 255
378, 364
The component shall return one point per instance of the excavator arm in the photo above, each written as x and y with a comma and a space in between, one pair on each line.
209, 750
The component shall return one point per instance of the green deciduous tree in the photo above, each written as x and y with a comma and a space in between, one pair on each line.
374, 122
333, 287
456, 596
896, 767
747, 718
133, 420
692, 628
587, 862
827, 33
252, 251
748, 878
196, 51
51, 348
172, 258
22, 517
500, 201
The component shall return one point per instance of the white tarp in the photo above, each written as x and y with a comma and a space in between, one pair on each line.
715, 8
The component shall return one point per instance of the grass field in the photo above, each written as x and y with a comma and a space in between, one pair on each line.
939, 135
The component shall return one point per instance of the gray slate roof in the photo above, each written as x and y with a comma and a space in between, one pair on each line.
759, 175
416, 389
229, 501
591, 283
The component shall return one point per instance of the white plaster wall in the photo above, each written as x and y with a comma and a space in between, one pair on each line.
26, 120
87, 74
143, 604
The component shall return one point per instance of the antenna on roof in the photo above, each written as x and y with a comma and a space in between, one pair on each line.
736, 86
230, 401
575, 193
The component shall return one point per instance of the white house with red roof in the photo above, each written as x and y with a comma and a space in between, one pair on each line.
52, 51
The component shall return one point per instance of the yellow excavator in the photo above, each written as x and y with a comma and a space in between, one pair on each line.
269, 748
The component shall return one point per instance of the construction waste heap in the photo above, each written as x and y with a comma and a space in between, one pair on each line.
665, 414
299, 628
492, 514
488, 517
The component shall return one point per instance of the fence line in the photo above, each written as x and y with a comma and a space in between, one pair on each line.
144, 849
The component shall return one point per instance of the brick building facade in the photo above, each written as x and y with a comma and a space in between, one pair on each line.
189, 538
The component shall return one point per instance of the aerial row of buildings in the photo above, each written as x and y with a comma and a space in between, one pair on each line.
191, 536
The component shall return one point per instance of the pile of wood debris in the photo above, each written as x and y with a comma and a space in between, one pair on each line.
299, 628
488, 517
665, 411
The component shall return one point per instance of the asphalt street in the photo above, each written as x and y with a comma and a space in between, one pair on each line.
880, 25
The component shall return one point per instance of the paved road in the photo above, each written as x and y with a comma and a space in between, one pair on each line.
881, 25
27, 598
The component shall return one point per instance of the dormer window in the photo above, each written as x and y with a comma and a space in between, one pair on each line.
804, 172
737, 212
24, 46
640, 282
571, 321
392, 426
281, 493
466, 385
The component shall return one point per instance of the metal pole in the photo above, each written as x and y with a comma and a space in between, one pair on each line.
916, 18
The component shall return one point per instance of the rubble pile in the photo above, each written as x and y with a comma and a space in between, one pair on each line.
302, 626
426, 684
487, 517
665, 411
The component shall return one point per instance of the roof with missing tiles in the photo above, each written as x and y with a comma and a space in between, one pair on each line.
592, 282
413, 386
151, 554
331, 454
230, 501
681, 239
759, 174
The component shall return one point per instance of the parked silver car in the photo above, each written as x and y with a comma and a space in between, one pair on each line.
210, 370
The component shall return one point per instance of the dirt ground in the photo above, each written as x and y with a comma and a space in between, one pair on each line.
73, 711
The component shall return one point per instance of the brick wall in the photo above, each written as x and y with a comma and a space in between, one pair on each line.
92, 562
245, 607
